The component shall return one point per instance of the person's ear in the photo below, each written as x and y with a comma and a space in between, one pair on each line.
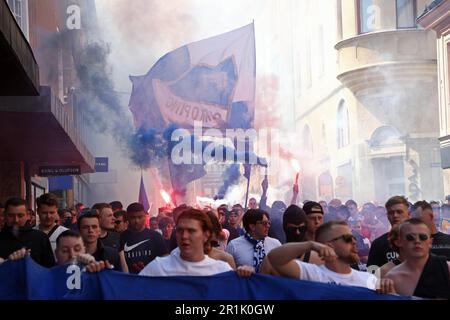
206, 236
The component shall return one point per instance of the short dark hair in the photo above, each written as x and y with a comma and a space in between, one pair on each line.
164, 222
116, 205
252, 216
48, 199
413, 221
135, 207
119, 213
67, 233
15, 202
421, 204
88, 214
323, 229
100, 206
153, 219
61, 213
343, 210
351, 201
396, 200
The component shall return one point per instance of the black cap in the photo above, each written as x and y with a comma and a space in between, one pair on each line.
312, 207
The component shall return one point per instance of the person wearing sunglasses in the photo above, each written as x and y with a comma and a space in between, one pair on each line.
336, 245
120, 224
421, 274
441, 241
251, 248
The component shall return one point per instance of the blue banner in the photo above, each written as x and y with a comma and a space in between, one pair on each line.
101, 164
60, 183
25, 280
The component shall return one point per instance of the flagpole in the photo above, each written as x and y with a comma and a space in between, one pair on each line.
248, 185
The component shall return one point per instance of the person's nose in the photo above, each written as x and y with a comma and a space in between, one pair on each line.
71, 254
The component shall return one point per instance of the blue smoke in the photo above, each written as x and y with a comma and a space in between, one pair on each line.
230, 178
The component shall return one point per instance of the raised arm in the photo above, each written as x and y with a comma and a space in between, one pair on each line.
294, 193
263, 200
283, 258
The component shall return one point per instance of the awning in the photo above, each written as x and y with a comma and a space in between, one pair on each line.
43, 132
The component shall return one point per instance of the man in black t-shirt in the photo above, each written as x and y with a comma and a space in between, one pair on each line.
139, 244
381, 251
89, 227
108, 236
441, 241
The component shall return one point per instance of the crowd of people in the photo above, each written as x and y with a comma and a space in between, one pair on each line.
399, 248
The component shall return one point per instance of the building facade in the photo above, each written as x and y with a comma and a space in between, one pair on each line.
368, 107
40, 127
437, 18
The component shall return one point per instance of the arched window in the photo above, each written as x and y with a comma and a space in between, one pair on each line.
385, 136
343, 132
307, 140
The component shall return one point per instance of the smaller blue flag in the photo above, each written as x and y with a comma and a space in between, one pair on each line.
143, 199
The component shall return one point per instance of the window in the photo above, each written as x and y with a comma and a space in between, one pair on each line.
406, 13
20, 10
343, 132
369, 16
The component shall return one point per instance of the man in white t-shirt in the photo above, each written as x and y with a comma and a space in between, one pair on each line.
337, 247
47, 209
251, 248
193, 231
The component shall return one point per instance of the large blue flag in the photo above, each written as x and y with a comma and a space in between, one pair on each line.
25, 280
211, 80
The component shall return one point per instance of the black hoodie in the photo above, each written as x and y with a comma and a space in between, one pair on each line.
37, 241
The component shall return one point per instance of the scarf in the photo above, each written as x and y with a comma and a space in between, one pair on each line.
258, 251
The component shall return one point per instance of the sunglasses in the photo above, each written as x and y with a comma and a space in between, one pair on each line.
118, 222
264, 223
412, 237
346, 237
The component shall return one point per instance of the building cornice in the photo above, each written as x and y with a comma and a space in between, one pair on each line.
437, 19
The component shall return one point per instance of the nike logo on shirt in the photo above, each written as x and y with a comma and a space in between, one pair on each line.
129, 248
